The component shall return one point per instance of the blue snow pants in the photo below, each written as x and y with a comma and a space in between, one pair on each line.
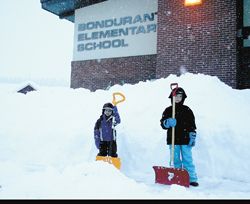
183, 159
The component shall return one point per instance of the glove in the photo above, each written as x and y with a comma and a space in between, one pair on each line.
170, 122
115, 110
192, 136
97, 142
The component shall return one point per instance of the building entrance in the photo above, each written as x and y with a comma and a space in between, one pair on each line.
243, 44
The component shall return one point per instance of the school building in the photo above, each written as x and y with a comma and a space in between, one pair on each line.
127, 41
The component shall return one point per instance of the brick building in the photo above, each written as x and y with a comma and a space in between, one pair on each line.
212, 37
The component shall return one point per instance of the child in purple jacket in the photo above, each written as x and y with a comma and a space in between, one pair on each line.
104, 131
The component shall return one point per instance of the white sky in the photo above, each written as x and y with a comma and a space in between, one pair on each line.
48, 151
34, 44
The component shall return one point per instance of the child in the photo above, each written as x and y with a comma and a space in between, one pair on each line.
184, 123
104, 132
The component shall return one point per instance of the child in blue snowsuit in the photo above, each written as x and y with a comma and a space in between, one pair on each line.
104, 132
185, 134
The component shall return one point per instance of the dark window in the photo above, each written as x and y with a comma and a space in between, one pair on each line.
246, 22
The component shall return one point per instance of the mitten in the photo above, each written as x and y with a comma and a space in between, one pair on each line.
97, 142
115, 110
97, 138
116, 115
192, 136
170, 122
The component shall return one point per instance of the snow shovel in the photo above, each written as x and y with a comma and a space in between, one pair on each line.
116, 161
171, 175
112, 160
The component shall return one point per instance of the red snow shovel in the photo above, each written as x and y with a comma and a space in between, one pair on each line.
171, 175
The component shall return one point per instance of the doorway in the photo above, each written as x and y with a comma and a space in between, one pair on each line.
243, 44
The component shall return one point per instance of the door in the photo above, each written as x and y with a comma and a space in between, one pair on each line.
243, 44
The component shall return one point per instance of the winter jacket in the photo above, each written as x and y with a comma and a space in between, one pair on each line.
103, 130
185, 123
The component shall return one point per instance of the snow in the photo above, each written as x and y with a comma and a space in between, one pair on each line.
48, 151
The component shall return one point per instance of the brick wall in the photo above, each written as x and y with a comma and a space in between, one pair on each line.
199, 39
101, 74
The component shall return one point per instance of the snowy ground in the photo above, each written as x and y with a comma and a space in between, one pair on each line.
47, 146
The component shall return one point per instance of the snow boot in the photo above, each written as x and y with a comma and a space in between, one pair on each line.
195, 184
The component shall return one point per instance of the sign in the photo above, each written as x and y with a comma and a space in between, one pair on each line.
115, 28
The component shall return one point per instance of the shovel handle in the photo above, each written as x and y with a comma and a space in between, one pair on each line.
115, 101
173, 87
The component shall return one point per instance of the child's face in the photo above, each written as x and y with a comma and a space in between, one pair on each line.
108, 112
178, 98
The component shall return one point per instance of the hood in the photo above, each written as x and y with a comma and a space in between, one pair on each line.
178, 90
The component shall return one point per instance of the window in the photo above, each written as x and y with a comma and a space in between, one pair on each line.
246, 13
246, 22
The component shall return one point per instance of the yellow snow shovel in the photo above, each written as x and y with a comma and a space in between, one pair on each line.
112, 160
116, 161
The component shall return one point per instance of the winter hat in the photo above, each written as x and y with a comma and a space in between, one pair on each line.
108, 106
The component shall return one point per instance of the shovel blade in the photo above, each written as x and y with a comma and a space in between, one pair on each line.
116, 161
168, 176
